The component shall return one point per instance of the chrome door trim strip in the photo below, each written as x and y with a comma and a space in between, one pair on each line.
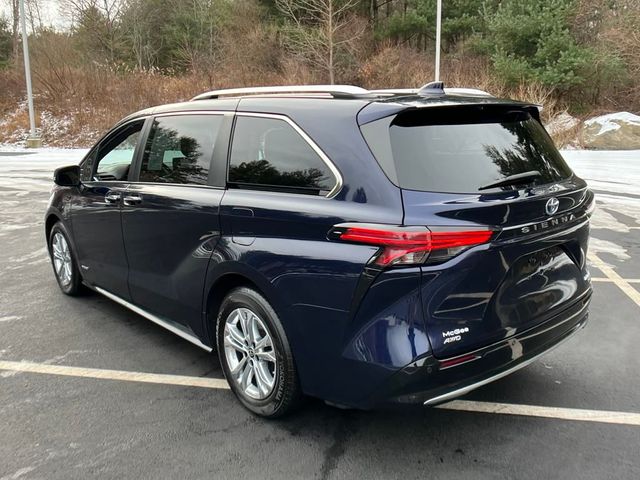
150, 316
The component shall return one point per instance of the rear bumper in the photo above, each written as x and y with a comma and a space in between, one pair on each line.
431, 381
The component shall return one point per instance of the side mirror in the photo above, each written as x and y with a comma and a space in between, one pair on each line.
67, 176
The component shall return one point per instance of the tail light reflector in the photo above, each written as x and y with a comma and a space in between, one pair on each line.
457, 361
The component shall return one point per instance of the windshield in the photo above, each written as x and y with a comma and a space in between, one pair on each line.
461, 150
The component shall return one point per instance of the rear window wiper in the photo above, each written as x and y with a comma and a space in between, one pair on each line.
516, 179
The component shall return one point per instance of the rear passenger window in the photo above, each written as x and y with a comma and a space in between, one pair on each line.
179, 149
269, 154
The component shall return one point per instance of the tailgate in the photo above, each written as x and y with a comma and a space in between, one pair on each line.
532, 270
493, 167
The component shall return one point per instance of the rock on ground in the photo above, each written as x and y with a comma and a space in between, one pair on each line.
615, 131
562, 123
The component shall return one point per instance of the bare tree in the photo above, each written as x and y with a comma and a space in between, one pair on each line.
137, 28
319, 30
196, 43
111, 9
99, 20
621, 33
34, 15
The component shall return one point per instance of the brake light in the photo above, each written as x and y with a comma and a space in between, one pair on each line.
411, 245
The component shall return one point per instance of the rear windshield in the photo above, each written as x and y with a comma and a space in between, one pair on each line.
463, 149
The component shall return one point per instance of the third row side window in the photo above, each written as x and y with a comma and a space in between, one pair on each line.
268, 153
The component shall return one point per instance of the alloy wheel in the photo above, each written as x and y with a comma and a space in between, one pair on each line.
250, 355
62, 262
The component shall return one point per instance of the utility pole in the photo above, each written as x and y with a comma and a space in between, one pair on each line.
438, 34
33, 141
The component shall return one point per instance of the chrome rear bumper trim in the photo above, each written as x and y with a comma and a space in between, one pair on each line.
464, 390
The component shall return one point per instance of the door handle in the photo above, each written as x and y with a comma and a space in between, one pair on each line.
132, 200
112, 197
242, 211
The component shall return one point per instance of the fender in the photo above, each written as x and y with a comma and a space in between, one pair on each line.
223, 266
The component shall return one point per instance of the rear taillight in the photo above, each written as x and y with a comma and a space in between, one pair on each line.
411, 245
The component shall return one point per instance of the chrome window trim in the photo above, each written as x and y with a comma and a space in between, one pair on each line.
96, 148
192, 112
182, 113
192, 185
334, 170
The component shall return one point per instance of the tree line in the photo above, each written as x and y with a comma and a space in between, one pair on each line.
583, 51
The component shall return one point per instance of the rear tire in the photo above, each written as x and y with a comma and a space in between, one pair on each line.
63, 261
255, 354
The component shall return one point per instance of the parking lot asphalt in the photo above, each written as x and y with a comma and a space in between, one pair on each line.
573, 414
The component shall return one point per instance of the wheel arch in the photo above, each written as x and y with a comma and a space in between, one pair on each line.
225, 281
50, 221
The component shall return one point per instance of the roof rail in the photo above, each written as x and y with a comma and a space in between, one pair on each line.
448, 91
394, 91
337, 91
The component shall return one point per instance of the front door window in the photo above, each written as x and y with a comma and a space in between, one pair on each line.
115, 154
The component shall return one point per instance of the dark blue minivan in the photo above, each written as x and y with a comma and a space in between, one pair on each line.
362, 247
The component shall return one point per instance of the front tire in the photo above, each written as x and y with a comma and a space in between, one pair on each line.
255, 354
63, 261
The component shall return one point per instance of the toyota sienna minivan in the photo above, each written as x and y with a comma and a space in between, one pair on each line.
362, 247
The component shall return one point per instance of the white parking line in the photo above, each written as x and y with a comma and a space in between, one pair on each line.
601, 416
605, 279
578, 414
620, 282
121, 375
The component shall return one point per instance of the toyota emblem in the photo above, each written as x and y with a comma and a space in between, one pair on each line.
552, 206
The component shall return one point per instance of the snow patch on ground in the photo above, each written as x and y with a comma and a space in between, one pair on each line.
62, 130
614, 176
19, 473
615, 171
43, 153
597, 245
9, 318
